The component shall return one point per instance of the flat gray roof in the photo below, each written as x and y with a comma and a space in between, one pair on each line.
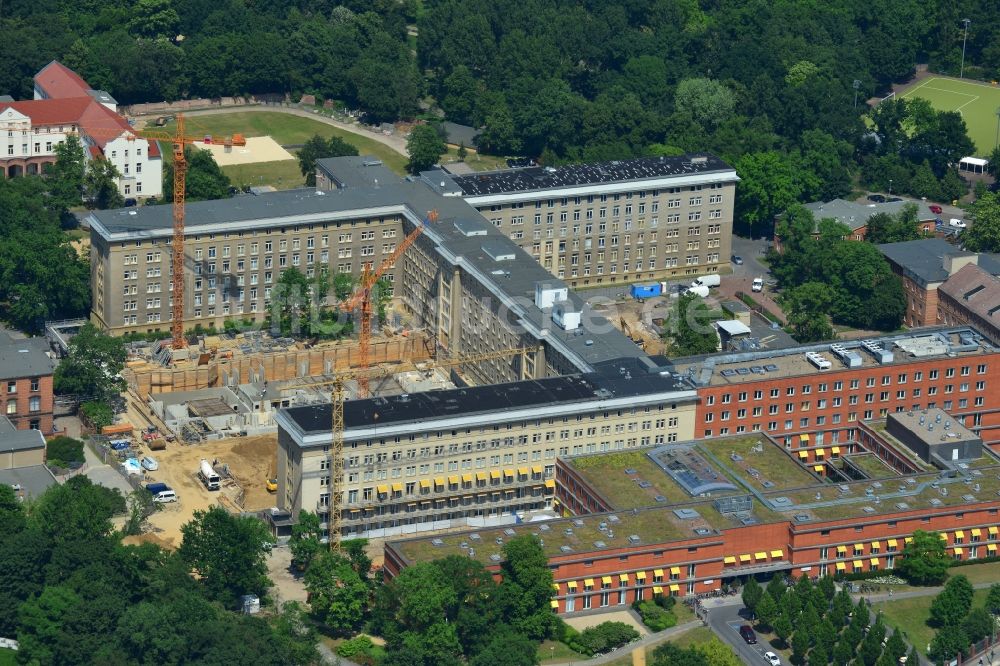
511, 281
359, 171
24, 358
33, 481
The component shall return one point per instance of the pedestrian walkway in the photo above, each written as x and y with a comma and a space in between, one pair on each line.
643, 643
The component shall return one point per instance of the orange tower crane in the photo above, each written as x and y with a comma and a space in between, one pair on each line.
362, 298
178, 139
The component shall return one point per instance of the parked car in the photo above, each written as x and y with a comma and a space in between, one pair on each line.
738, 260
937, 210
758, 285
208, 139
772, 658
876, 198
746, 631
120, 444
892, 199
957, 223
149, 463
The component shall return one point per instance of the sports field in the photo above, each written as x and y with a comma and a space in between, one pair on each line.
977, 102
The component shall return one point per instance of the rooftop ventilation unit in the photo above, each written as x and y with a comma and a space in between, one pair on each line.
818, 360
499, 251
851, 359
875, 348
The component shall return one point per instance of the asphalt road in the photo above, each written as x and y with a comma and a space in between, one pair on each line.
725, 621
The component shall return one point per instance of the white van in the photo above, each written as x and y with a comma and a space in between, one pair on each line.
707, 281
758, 285
165, 496
957, 223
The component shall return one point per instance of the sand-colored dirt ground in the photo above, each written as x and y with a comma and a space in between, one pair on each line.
249, 458
258, 149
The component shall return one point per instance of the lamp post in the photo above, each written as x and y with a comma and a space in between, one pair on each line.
996, 140
961, 73
890, 187
856, 85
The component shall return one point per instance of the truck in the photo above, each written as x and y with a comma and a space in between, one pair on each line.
641, 291
161, 492
707, 281
208, 475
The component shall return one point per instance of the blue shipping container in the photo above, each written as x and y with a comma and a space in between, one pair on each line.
645, 290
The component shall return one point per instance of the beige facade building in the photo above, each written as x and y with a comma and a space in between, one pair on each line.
626, 221
471, 456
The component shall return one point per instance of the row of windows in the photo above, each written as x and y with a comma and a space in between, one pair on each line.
34, 405
886, 380
281, 231
12, 385
603, 198
835, 419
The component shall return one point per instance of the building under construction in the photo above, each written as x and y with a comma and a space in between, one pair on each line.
476, 454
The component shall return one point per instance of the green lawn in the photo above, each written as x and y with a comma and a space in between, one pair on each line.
689, 638
7, 658
556, 651
910, 615
988, 572
977, 102
283, 174
286, 129
476, 161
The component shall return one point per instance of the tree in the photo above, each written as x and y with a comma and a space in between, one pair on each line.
66, 178
766, 611
425, 147
978, 624
708, 102
669, 654
951, 606
507, 648
924, 561
63, 451
358, 557
93, 366
992, 603
983, 235
717, 653
948, 644
305, 541
806, 306
767, 186
751, 594
316, 148
154, 19
204, 180
527, 588
337, 594
100, 185
783, 627
893, 228
691, 331
800, 644
228, 553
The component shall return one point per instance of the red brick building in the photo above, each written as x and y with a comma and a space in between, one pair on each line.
26, 369
631, 550
971, 297
924, 266
783, 393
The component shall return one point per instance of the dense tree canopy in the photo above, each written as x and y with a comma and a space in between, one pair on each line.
823, 273
72, 594
42, 277
93, 366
